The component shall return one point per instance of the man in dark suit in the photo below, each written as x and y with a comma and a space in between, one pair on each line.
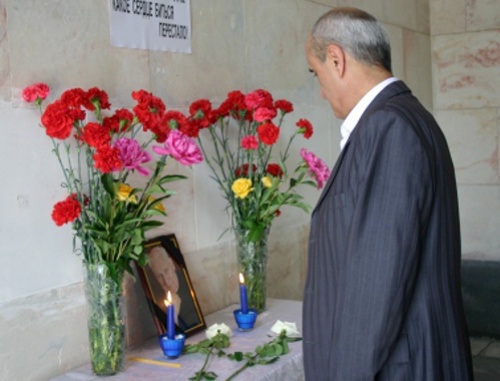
383, 298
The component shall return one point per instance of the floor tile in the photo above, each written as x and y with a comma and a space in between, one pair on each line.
492, 350
479, 344
486, 368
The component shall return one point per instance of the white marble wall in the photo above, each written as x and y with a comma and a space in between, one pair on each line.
466, 87
237, 44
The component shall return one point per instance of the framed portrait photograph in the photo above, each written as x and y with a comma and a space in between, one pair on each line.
166, 271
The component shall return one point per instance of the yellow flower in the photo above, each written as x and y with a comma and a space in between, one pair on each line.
124, 194
267, 182
242, 187
158, 206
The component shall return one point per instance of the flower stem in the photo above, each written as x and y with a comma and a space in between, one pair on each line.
202, 370
232, 376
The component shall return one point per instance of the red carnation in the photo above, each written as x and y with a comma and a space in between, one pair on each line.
268, 133
73, 97
95, 96
283, 105
149, 110
171, 120
190, 128
96, 135
262, 114
236, 99
259, 98
274, 170
120, 121
223, 110
161, 131
249, 142
66, 211
107, 159
305, 127
174, 119
37, 92
234, 105
202, 105
201, 111
149, 102
242, 170
57, 120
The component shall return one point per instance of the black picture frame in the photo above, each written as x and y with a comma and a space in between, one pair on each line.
165, 251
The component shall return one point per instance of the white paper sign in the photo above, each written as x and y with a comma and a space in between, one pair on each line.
154, 25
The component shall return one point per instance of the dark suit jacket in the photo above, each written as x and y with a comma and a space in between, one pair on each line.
383, 298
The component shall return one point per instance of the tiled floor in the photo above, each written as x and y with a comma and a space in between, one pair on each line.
486, 358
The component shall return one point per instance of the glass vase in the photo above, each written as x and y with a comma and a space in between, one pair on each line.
252, 263
106, 323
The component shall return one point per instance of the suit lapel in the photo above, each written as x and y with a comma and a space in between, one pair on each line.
390, 91
333, 174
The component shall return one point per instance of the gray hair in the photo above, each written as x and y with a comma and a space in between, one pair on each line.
357, 32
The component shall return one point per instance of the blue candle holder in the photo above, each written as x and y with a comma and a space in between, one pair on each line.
247, 320
172, 348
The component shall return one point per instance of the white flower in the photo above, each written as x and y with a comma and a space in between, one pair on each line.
214, 329
290, 328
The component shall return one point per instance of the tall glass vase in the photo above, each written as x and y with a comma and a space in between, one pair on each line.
252, 263
106, 323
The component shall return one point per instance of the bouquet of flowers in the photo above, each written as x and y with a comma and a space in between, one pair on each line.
97, 154
255, 180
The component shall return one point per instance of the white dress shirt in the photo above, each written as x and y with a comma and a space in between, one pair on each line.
352, 119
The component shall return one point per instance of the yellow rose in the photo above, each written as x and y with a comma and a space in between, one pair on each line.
267, 182
242, 187
124, 194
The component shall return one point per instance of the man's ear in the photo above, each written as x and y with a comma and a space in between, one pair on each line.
336, 57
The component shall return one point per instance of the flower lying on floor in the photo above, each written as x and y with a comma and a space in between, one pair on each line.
218, 339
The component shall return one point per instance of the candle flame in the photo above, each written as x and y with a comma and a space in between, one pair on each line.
168, 301
242, 279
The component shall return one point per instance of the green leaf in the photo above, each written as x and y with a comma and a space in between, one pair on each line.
210, 375
137, 237
151, 224
170, 178
278, 349
158, 189
109, 184
154, 212
311, 183
159, 200
142, 260
238, 356
268, 361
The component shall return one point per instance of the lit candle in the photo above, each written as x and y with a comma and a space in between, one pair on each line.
170, 317
243, 295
